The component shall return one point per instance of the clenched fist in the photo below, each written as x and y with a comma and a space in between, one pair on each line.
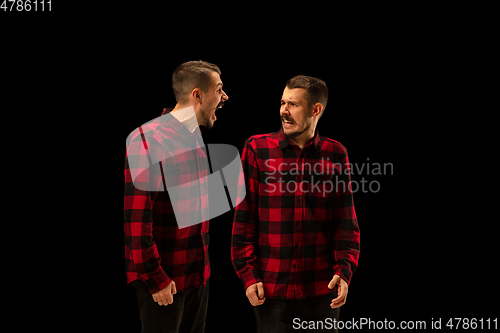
255, 293
166, 295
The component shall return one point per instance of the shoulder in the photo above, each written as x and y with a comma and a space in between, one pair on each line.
263, 141
332, 145
154, 131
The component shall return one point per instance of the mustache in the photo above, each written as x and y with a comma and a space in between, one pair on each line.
221, 104
287, 118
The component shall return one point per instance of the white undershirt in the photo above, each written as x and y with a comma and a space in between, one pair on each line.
186, 117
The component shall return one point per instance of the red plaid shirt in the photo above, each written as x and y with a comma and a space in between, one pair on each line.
297, 226
156, 250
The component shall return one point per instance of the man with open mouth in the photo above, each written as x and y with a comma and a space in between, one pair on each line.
167, 262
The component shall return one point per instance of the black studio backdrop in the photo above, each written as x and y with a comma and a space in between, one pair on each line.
399, 94
414, 258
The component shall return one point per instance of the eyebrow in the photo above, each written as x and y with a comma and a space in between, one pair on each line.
220, 83
289, 101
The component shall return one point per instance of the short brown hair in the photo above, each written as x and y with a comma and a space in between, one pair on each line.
316, 89
190, 75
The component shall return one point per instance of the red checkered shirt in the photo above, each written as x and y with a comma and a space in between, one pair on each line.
156, 250
296, 227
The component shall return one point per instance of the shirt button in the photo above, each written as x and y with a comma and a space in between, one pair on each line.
294, 266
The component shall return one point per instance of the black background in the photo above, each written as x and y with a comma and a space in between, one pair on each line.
422, 256
403, 90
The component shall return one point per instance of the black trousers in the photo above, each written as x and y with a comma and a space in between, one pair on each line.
186, 314
302, 315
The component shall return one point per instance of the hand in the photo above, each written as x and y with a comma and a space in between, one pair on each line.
341, 290
255, 294
166, 295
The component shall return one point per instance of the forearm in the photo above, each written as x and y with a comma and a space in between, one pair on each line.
140, 246
139, 197
243, 246
244, 239
346, 237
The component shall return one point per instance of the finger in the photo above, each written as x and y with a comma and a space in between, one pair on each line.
260, 290
337, 305
174, 289
170, 298
339, 301
162, 300
253, 299
260, 302
256, 302
158, 299
340, 298
334, 281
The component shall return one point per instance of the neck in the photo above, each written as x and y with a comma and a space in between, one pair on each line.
196, 108
179, 106
184, 113
303, 138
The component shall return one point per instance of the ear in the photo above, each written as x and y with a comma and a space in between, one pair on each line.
197, 95
318, 107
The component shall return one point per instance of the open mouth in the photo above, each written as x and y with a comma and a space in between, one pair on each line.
287, 122
214, 117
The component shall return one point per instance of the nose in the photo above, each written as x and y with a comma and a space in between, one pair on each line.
284, 110
225, 97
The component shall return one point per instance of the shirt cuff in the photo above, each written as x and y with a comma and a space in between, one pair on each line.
343, 272
157, 281
250, 277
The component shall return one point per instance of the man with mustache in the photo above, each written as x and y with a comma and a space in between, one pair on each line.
295, 242
167, 262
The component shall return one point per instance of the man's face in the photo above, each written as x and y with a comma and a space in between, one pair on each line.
296, 116
213, 99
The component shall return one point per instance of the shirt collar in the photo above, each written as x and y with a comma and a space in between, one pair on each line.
186, 117
174, 123
283, 140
